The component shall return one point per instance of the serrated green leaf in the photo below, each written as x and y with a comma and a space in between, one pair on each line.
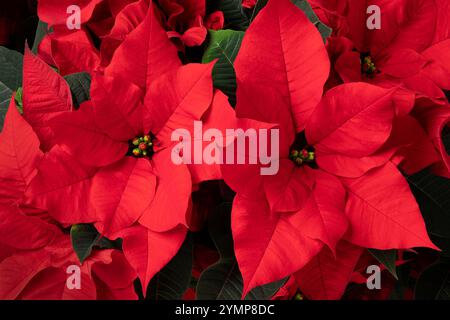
387, 258
84, 237
174, 279
223, 280
80, 85
224, 45
5, 98
11, 63
235, 17
41, 32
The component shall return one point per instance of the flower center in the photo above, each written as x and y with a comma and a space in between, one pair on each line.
302, 156
300, 153
368, 66
141, 147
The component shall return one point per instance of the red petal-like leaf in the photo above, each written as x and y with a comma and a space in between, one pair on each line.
383, 213
140, 55
171, 202
148, 252
268, 246
19, 155
45, 94
121, 192
326, 276
281, 67
350, 123
62, 186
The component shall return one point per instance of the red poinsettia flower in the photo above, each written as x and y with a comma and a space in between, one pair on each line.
408, 49
335, 172
112, 165
35, 253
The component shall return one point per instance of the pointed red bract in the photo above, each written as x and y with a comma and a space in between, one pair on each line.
19, 155
85, 141
22, 232
350, 123
380, 220
280, 247
62, 186
327, 275
139, 56
117, 107
148, 252
121, 192
171, 201
175, 100
283, 58
45, 94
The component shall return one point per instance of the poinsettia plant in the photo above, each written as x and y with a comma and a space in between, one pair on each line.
227, 149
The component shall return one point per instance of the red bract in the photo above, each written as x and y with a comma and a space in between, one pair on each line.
38, 253
119, 150
18, 157
407, 50
41, 254
45, 94
352, 134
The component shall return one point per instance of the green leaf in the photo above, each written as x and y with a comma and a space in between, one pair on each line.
11, 68
19, 99
80, 84
235, 17
174, 279
5, 98
387, 258
224, 45
303, 5
84, 237
432, 193
41, 32
223, 280
434, 283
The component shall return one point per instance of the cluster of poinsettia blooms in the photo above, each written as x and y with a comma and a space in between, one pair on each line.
355, 114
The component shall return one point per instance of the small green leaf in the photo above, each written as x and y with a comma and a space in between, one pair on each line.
84, 237
174, 279
80, 84
224, 45
5, 98
387, 258
18, 99
11, 68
